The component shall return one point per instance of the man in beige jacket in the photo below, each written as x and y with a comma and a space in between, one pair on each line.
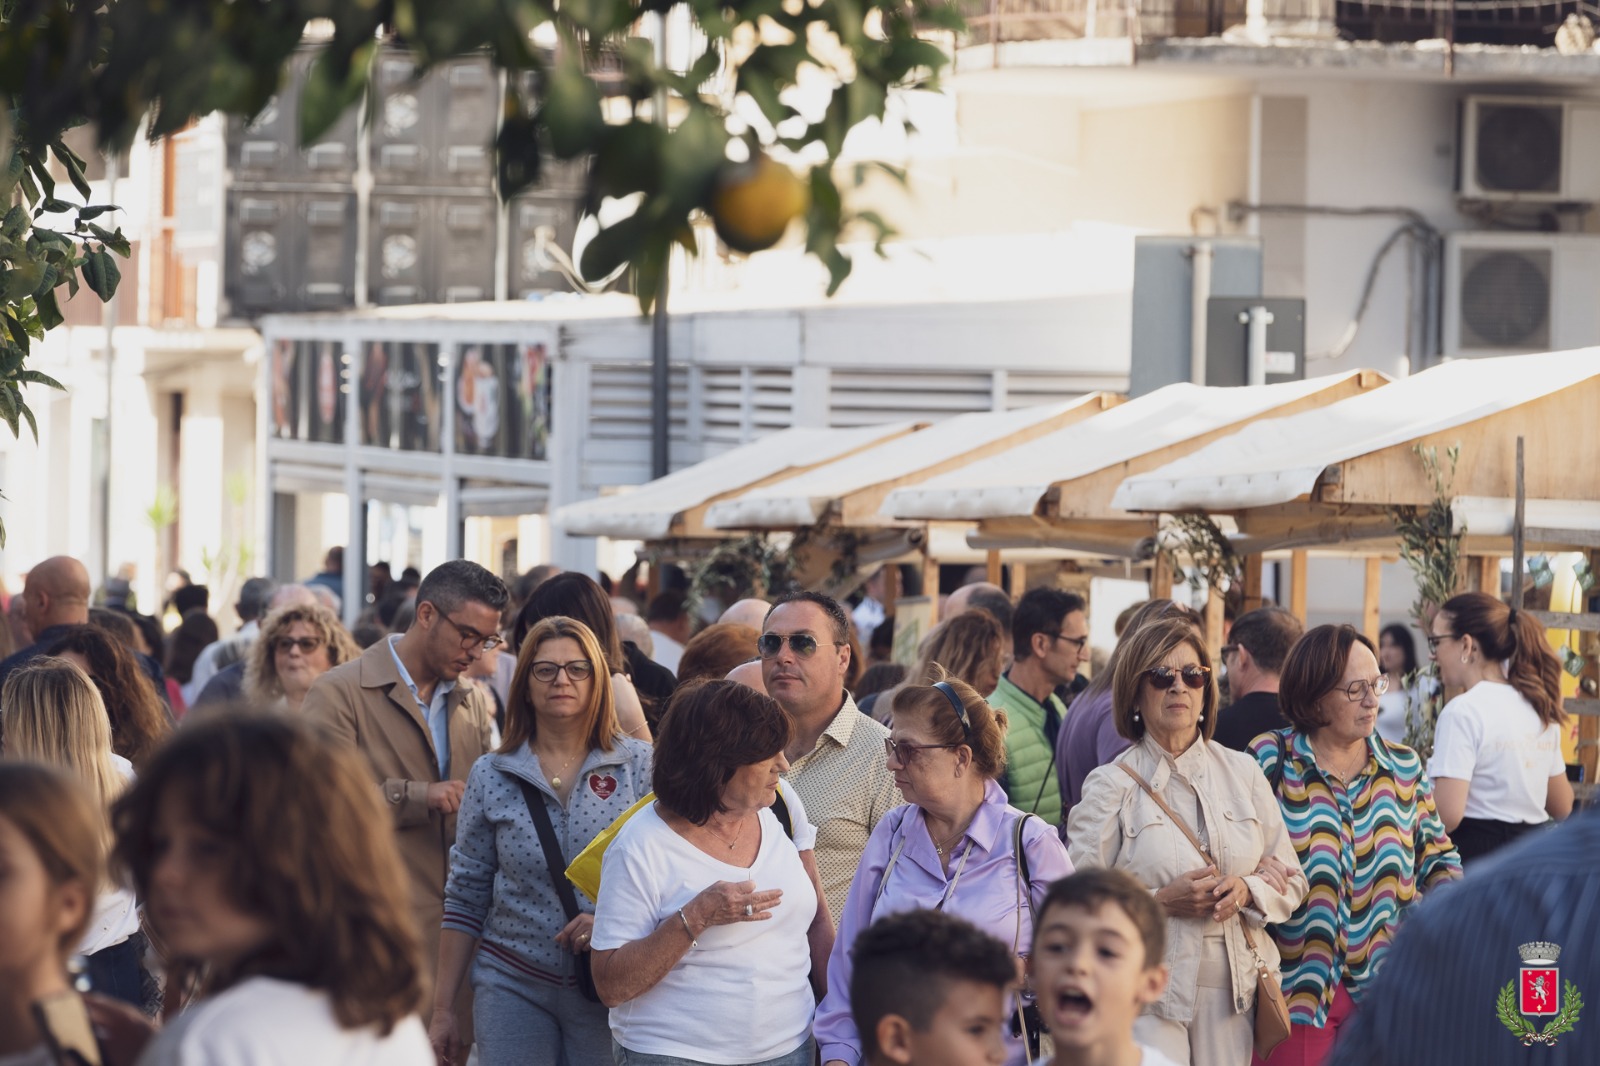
400, 705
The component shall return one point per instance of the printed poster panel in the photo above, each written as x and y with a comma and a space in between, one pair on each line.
308, 391
400, 387
502, 395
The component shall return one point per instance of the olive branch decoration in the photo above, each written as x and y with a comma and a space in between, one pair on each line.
1523, 1030
1196, 536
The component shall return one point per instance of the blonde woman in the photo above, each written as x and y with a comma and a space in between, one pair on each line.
54, 715
969, 646
298, 644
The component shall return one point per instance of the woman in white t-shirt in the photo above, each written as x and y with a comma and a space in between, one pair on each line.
711, 934
266, 862
53, 714
1497, 767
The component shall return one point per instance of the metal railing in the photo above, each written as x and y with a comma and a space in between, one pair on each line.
1512, 22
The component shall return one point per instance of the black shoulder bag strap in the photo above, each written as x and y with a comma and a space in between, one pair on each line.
558, 875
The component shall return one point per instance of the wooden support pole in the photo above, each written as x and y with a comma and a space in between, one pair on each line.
1297, 585
1019, 580
992, 566
1370, 623
930, 587
1518, 525
1486, 574
1160, 578
1589, 726
1253, 565
891, 587
1214, 619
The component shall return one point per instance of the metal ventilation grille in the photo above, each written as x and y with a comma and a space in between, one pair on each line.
1505, 298
1519, 148
866, 398
740, 404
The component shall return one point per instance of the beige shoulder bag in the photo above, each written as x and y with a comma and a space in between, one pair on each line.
1272, 1011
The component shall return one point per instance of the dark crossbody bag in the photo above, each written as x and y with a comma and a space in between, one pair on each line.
557, 862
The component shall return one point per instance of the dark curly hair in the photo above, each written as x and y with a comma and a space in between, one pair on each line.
139, 719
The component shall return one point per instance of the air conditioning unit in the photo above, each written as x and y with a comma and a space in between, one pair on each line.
1508, 293
1534, 149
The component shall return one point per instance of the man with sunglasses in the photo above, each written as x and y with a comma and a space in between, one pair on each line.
1050, 639
836, 761
421, 732
1258, 643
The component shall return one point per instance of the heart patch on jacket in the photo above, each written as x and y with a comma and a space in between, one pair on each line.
602, 786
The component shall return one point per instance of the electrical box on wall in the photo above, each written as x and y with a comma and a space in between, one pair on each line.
1532, 149
1510, 293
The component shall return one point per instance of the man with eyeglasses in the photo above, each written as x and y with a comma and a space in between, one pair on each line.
420, 731
836, 761
1258, 643
1050, 640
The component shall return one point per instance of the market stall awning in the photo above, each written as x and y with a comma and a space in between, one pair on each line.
1016, 482
1361, 452
675, 505
848, 492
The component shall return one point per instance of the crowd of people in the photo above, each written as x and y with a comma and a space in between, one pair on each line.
542, 822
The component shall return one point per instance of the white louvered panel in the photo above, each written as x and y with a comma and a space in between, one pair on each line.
743, 403
619, 401
771, 399
863, 398
1033, 390
722, 404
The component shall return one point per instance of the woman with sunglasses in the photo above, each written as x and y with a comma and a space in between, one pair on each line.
565, 762
297, 644
1218, 903
953, 846
1497, 765
1361, 816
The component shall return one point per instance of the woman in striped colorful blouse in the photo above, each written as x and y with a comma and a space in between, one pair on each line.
1361, 814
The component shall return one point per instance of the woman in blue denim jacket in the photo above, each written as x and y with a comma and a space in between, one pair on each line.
502, 913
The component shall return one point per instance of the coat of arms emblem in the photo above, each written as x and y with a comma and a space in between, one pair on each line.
1537, 993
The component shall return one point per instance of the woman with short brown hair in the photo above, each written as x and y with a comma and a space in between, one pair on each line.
1361, 817
1164, 700
715, 650
707, 897
297, 644
266, 860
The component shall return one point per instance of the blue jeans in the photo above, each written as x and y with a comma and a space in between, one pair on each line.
804, 1055
116, 971
513, 1016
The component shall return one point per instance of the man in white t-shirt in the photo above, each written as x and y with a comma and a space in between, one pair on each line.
669, 622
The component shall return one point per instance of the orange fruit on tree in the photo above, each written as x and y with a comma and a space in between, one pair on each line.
754, 202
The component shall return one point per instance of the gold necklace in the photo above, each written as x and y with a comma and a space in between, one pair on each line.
555, 780
731, 843
1344, 775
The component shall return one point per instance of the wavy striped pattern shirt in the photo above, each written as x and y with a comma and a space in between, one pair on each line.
1367, 851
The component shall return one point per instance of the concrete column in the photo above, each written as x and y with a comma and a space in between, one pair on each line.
201, 472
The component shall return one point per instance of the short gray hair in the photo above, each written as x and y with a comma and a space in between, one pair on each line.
253, 597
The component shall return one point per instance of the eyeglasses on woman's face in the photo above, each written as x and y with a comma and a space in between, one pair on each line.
770, 645
905, 752
578, 670
307, 645
1164, 677
1436, 639
1356, 691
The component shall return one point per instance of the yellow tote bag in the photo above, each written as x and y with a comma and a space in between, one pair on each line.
584, 871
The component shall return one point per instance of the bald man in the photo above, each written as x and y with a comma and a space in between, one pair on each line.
751, 612
749, 675
55, 595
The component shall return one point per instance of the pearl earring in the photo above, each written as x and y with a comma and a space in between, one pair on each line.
1464, 658
1135, 716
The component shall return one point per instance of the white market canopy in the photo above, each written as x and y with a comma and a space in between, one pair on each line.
675, 505
1016, 483
1360, 453
849, 491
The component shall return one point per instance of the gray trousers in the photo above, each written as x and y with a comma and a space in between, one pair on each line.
520, 1021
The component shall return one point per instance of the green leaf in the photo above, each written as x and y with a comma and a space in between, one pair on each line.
517, 152
33, 377
571, 111
15, 222
101, 274
21, 280
613, 246
113, 240
49, 310
96, 210
74, 166
52, 206
336, 80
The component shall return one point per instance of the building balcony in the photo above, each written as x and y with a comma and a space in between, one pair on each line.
1490, 38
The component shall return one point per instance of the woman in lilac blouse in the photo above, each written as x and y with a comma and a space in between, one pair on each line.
951, 847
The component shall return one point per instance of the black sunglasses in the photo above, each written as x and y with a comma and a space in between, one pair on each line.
802, 644
1163, 677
